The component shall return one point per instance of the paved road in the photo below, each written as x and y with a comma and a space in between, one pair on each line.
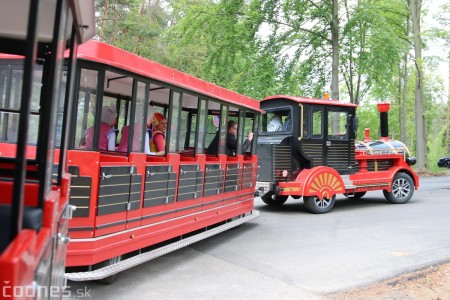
290, 254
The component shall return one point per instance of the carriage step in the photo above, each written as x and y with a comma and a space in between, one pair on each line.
147, 256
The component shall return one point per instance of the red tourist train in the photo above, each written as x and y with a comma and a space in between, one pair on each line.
92, 128
307, 148
35, 86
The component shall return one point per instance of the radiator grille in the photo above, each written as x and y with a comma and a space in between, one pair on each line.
282, 156
379, 165
337, 157
314, 152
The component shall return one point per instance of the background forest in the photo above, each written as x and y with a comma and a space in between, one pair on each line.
359, 51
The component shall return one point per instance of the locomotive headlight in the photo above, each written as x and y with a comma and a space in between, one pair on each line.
284, 173
411, 161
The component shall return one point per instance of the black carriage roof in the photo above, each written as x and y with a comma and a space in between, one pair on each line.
309, 100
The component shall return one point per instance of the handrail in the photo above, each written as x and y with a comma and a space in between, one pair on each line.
301, 122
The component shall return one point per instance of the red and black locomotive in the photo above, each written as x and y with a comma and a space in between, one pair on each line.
307, 148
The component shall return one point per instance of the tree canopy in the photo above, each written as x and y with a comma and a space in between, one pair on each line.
360, 51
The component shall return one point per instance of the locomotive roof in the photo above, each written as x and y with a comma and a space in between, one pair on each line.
310, 100
110, 55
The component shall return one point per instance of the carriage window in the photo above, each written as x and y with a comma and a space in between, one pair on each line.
174, 121
60, 110
87, 101
316, 122
212, 124
140, 122
233, 116
248, 125
337, 125
11, 88
123, 118
159, 137
201, 120
103, 127
188, 125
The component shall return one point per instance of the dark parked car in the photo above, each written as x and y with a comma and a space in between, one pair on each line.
444, 162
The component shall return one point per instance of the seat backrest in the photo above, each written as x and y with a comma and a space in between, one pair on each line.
123, 144
32, 219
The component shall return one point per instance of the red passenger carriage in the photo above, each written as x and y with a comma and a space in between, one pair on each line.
133, 206
35, 85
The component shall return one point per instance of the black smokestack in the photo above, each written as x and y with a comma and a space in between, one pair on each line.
383, 108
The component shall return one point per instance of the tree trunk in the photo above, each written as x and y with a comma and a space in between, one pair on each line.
415, 10
104, 18
335, 51
136, 37
447, 123
404, 111
115, 21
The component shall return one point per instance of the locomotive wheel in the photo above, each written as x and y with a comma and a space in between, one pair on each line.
402, 189
356, 195
316, 206
111, 278
274, 200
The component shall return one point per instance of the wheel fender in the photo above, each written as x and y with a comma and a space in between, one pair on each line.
323, 182
410, 172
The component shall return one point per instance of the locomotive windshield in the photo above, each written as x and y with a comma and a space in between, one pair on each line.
276, 120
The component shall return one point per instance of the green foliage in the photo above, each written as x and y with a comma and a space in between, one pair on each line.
222, 38
266, 47
372, 47
368, 117
133, 25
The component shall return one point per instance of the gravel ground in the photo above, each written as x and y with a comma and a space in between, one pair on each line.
432, 283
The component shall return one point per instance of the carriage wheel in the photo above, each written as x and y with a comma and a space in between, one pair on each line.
402, 189
318, 206
274, 200
111, 278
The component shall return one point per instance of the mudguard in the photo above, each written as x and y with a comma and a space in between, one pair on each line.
323, 182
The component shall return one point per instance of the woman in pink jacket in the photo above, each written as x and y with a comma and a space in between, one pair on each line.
107, 138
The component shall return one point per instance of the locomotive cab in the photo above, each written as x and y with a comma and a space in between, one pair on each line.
301, 133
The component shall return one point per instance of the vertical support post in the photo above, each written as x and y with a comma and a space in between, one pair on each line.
27, 87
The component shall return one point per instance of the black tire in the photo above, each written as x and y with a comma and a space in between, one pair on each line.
111, 278
402, 189
355, 196
274, 200
316, 206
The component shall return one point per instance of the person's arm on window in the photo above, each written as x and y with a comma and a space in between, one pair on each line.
246, 148
111, 140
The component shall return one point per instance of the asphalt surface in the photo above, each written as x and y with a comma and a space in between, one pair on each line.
290, 254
